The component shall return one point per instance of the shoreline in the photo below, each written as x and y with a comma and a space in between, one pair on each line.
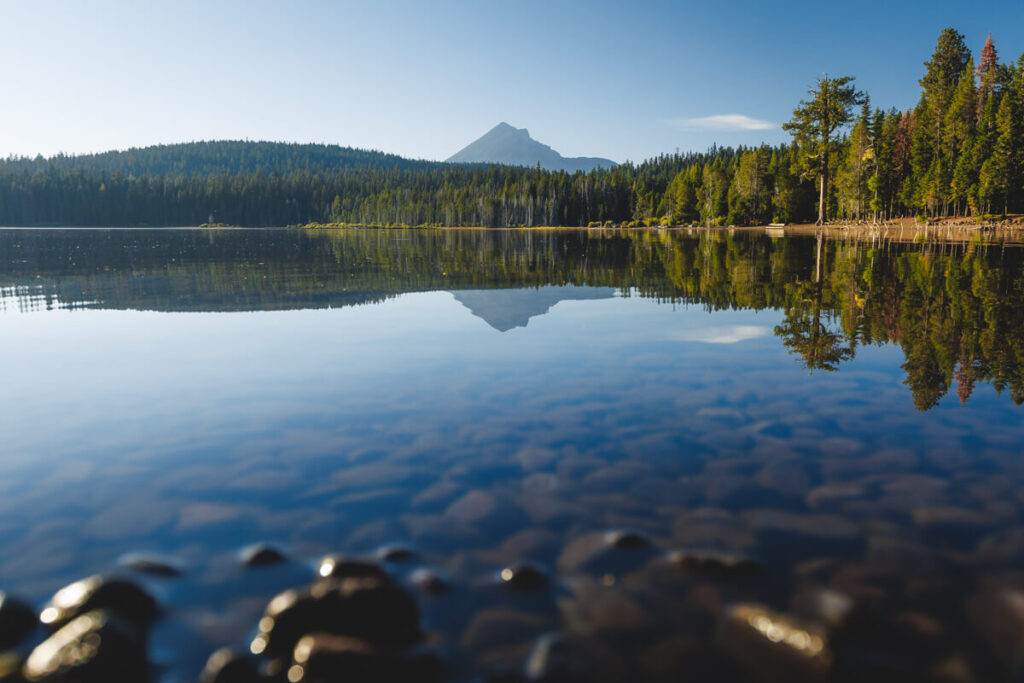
1010, 230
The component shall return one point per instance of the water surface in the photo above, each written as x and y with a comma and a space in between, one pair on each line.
845, 414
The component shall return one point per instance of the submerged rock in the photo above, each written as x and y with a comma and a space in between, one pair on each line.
228, 666
774, 646
624, 539
429, 581
395, 552
17, 621
789, 537
120, 596
92, 647
260, 555
714, 563
612, 552
154, 565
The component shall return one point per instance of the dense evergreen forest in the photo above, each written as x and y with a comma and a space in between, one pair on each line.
959, 152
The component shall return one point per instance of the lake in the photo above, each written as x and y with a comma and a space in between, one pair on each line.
607, 455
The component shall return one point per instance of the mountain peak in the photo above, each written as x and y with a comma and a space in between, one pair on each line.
506, 144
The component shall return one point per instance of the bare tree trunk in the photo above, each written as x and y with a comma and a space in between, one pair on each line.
821, 202
824, 183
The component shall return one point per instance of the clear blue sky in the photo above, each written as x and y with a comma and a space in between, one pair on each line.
624, 80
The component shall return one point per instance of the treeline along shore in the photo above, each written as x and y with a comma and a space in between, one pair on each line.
958, 153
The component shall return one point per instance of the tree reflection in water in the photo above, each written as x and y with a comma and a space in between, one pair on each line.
956, 310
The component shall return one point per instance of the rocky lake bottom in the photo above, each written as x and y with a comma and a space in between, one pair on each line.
280, 455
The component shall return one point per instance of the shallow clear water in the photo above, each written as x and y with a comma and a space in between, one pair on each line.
496, 397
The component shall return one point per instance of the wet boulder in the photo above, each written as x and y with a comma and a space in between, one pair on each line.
367, 608
120, 596
17, 621
228, 666
95, 646
773, 646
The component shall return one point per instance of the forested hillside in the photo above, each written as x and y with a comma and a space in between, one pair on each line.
960, 151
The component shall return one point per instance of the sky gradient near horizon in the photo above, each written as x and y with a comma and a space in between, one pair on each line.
625, 81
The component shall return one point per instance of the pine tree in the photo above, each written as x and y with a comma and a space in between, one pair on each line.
932, 168
815, 124
988, 71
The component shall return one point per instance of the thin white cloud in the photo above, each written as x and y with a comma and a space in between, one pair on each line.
724, 122
730, 334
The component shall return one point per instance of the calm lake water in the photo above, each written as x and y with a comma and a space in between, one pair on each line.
844, 417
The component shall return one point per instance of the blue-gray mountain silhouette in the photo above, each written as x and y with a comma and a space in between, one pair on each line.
504, 144
505, 309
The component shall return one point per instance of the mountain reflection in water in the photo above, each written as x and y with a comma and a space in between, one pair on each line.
956, 310
707, 456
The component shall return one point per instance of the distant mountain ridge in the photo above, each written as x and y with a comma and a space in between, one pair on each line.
505, 144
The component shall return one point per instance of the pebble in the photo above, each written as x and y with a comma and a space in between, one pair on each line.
429, 581
625, 539
522, 577
260, 555
230, 666
339, 567
17, 621
122, 597
92, 647
395, 552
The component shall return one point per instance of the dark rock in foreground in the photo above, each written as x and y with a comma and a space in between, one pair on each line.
367, 608
94, 647
17, 621
228, 666
120, 596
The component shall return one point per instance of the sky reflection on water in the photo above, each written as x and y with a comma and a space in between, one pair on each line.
338, 429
